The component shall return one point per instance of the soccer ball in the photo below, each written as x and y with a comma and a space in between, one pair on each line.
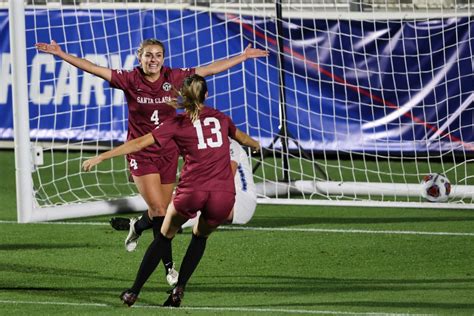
435, 187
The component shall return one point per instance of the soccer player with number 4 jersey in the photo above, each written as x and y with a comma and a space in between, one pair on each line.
148, 88
206, 183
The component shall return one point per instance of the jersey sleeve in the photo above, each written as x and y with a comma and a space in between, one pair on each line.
120, 79
164, 133
179, 74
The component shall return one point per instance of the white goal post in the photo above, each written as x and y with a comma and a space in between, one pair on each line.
357, 102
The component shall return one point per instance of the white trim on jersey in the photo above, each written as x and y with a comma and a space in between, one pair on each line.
245, 190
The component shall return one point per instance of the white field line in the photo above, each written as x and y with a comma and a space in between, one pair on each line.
281, 229
212, 309
346, 231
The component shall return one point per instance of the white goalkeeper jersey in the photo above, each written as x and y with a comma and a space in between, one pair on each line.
245, 190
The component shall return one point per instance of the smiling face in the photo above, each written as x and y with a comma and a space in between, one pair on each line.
151, 58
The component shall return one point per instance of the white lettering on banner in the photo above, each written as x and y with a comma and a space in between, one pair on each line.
90, 82
5, 77
45, 88
67, 85
36, 95
144, 100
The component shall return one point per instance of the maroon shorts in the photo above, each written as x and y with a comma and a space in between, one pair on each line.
166, 166
215, 206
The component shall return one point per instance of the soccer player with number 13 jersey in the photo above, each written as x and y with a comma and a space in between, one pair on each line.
206, 183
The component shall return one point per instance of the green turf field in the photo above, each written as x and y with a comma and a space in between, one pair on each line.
288, 260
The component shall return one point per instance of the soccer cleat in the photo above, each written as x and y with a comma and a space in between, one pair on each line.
172, 276
128, 297
175, 298
120, 223
131, 241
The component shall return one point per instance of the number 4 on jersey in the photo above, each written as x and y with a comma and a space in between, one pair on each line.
215, 130
155, 118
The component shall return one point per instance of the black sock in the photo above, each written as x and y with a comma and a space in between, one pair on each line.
150, 261
167, 255
143, 223
156, 223
191, 259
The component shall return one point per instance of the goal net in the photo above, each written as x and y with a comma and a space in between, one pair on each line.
356, 103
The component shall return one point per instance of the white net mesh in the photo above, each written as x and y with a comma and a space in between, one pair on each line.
367, 99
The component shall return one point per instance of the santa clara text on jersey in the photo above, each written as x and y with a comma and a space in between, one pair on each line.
144, 100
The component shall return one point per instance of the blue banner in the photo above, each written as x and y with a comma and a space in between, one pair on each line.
349, 85
382, 86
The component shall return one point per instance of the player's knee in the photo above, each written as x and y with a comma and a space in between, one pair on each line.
204, 228
244, 212
157, 209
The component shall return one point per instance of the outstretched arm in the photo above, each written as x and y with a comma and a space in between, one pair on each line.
129, 147
246, 140
54, 49
223, 65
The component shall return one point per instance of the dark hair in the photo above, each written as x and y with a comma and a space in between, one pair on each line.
149, 42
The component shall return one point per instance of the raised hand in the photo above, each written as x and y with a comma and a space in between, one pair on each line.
251, 52
52, 48
256, 148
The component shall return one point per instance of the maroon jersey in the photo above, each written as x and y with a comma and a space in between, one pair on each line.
147, 102
204, 146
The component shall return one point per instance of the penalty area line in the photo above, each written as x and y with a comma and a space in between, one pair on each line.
282, 229
211, 309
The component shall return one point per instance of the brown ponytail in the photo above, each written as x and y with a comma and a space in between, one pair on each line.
193, 94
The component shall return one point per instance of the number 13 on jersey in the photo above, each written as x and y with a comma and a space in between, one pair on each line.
215, 130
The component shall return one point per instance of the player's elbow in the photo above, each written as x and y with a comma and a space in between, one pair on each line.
204, 71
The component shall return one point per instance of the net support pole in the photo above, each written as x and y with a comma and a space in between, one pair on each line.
283, 133
21, 130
